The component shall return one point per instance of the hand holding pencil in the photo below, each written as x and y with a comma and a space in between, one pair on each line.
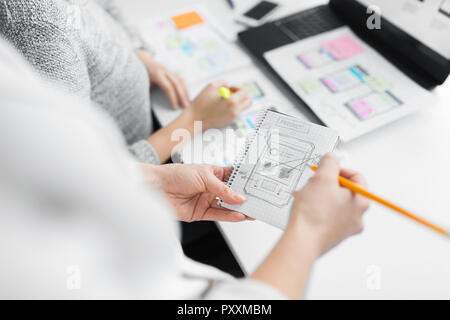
355, 188
323, 213
329, 208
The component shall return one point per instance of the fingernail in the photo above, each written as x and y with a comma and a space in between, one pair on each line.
239, 197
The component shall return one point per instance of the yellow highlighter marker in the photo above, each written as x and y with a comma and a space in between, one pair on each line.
225, 92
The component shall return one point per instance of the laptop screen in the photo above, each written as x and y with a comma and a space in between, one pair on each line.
428, 21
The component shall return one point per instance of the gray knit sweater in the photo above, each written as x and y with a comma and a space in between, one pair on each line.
85, 48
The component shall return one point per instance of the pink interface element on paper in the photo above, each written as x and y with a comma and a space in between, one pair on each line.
362, 108
343, 47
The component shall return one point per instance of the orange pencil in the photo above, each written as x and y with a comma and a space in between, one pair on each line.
357, 189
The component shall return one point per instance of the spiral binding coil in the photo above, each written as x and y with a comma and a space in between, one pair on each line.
240, 158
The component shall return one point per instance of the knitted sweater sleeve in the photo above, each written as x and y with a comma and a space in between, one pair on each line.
46, 36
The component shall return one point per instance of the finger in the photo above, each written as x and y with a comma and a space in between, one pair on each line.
361, 201
167, 87
215, 205
239, 96
329, 166
243, 103
354, 176
176, 88
242, 100
213, 214
219, 189
234, 89
222, 173
185, 90
179, 88
246, 104
226, 173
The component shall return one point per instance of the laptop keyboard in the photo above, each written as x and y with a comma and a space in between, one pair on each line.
310, 22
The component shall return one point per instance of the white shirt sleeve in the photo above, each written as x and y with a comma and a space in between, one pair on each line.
76, 221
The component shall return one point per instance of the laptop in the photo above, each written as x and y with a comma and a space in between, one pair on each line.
410, 45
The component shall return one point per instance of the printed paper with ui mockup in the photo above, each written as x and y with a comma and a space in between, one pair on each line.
349, 86
275, 162
190, 43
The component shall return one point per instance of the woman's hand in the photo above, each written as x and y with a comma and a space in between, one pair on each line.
170, 82
325, 211
215, 111
192, 191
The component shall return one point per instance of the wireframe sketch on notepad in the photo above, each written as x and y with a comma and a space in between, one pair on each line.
278, 170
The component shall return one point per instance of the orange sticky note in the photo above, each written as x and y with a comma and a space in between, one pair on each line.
187, 20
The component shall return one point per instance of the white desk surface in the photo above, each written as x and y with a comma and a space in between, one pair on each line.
407, 161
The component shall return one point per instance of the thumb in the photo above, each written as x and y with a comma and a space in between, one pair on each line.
329, 166
219, 189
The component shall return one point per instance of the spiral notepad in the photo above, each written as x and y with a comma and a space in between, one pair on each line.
274, 163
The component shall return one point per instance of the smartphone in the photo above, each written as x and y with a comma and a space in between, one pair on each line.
257, 14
